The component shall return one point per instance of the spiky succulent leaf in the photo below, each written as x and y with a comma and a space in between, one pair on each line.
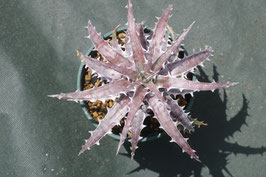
158, 63
112, 118
136, 127
134, 107
179, 67
163, 116
140, 32
110, 90
181, 83
158, 37
105, 49
104, 69
138, 53
179, 114
147, 69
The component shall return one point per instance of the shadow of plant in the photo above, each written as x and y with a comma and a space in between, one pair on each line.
210, 142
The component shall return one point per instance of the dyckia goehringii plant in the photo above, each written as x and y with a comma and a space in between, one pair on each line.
143, 75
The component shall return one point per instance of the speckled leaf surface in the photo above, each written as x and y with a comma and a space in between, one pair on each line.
40, 137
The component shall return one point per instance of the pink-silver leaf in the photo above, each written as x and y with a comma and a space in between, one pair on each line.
106, 50
158, 63
179, 114
106, 91
159, 31
104, 68
183, 84
136, 127
138, 54
134, 107
112, 118
163, 116
181, 66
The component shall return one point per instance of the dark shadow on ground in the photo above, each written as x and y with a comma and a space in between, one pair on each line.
210, 142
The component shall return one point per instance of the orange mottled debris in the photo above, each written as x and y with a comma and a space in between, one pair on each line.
121, 35
97, 83
202, 123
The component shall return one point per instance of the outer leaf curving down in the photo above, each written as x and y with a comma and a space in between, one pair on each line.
110, 90
183, 84
134, 107
112, 118
163, 116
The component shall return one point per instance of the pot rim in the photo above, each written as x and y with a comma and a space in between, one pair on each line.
83, 104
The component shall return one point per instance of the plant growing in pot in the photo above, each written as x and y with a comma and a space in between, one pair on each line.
96, 110
143, 75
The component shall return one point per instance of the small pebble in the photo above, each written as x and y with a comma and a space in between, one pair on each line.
88, 76
95, 114
97, 83
110, 104
121, 35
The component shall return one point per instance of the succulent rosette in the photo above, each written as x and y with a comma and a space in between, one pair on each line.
142, 74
